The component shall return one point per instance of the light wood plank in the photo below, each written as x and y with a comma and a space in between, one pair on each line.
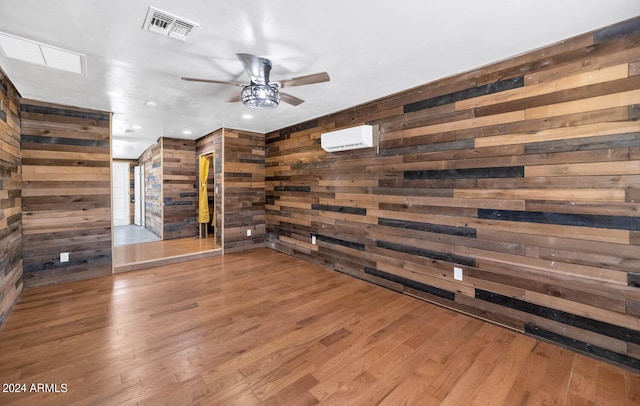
580, 106
584, 169
563, 133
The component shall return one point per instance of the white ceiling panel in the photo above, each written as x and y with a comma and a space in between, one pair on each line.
369, 48
61, 59
21, 49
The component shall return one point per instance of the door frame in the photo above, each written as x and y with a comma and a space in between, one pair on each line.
138, 198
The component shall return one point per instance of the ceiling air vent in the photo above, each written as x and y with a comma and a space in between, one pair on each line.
167, 24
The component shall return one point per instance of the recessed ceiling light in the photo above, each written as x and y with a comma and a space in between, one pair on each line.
150, 103
186, 132
247, 116
116, 94
136, 127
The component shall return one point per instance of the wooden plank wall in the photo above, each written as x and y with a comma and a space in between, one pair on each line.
244, 190
11, 263
525, 174
212, 143
180, 192
66, 192
151, 160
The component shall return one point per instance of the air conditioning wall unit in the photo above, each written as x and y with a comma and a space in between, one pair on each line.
346, 139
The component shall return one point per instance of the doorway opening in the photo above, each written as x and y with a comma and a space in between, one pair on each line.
128, 204
132, 251
121, 194
206, 196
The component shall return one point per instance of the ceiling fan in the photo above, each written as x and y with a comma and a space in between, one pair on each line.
261, 93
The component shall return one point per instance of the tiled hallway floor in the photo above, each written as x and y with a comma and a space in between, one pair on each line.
132, 234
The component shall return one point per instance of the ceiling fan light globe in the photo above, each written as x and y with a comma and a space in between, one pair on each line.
260, 96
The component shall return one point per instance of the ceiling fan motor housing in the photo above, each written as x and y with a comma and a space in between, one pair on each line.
260, 96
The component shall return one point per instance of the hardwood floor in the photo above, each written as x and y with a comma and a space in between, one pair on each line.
262, 327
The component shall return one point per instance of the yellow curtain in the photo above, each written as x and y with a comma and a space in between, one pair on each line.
203, 202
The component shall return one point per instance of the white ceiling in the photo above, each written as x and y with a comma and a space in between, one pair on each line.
370, 49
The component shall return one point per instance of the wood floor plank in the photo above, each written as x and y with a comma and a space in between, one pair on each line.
264, 328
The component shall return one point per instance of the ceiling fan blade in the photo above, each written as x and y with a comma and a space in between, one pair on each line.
220, 82
305, 80
256, 67
287, 98
235, 98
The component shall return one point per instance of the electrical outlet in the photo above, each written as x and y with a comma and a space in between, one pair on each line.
249, 233
313, 239
64, 257
457, 273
